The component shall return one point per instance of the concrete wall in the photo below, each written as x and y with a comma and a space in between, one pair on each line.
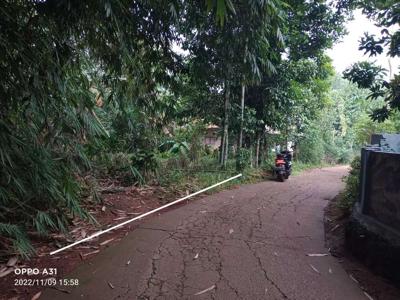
382, 188
373, 232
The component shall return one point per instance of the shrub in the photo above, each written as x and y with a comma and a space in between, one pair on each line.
351, 192
125, 166
242, 159
311, 147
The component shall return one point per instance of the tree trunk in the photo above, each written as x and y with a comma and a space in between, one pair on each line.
225, 141
221, 147
296, 151
287, 138
251, 155
265, 147
257, 150
242, 117
226, 146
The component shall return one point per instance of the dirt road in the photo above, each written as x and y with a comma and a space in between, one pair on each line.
246, 243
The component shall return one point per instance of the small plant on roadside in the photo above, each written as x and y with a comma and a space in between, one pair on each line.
242, 159
351, 192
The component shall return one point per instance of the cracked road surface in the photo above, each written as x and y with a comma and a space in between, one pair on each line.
245, 243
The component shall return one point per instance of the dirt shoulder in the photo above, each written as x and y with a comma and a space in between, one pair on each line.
118, 204
335, 221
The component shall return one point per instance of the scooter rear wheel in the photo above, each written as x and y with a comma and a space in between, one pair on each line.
281, 177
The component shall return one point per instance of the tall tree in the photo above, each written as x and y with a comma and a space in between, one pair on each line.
251, 28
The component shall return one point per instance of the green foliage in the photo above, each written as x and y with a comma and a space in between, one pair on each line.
176, 147
204, 173
13, 237
351, 192
364, 127
94, 89
364, 74
242, 159
120, 165
311, 148
307, 36
386, 14
54, 56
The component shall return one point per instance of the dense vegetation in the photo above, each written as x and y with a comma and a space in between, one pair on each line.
126, 89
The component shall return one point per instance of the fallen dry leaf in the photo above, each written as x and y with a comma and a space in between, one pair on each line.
61, 290
368, 296
315, 269
93, 252
205, 291
12, 261
76, 229
352, 278
336, 227
6, 272
196, 256
36, 296
120, 218
106, 242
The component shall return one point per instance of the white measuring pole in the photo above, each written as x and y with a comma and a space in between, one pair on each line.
143, 215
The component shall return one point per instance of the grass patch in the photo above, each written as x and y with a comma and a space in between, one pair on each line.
190, 178
199, 176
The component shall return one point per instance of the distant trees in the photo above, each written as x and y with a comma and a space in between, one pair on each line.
241, 62
238, 50
93, 84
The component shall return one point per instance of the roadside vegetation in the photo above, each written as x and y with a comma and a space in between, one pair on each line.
351, 192
131, 90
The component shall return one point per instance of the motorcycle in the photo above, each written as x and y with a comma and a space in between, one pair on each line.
283, 165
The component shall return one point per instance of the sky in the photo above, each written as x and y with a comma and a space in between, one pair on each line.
346, 52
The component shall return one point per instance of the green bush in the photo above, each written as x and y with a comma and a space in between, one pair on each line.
242, 159
311, 147
120, 165
351, 192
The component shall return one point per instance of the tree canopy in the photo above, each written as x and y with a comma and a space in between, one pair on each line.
113, 89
